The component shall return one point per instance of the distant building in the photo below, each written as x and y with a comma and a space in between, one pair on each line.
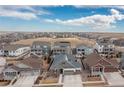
122, 62
41, 48
99, 65
65, 62
13, 50
61, 48
105, 48
83, 51
118, 42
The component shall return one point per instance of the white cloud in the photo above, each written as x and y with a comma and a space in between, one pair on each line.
98, 6
15, 12
96, 21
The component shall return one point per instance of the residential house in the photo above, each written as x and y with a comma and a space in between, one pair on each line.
13, 50
10, 72
105, 48
41, 48
118, 42
96, 64
27, 67
61, 48
2, 64
122, 62
65, 62
83, 51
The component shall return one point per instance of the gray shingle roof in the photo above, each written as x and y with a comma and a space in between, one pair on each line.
64, 61
12, 47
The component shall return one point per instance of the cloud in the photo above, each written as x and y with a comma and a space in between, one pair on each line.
22, 12
98, 6
96, 21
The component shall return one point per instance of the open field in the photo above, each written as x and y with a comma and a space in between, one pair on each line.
74, 41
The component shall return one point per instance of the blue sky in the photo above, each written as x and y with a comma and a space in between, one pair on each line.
62, 18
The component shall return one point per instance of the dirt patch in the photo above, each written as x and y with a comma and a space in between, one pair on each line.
73, 41
4, 82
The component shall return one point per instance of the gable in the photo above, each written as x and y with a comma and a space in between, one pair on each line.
98, 65
104, 62
10, 70
62, 65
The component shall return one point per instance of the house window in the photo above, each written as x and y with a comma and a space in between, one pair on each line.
78, 49
82, 49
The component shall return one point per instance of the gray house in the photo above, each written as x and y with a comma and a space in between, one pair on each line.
83, 51
40, 48
65, 62
122, 62
13, 50
61, 48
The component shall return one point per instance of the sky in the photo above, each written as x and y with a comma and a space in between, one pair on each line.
67, 18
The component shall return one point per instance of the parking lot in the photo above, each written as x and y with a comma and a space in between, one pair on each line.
72, 81
114, 79
25, 81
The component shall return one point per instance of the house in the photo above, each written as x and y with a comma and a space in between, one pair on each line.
10, 72
122, 62
118, 42
61, 48
2, 64
96, 64
13, 50
27, 67
41, 48
105, 48
83, 51
65, 62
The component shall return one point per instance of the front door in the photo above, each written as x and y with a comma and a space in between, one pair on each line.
101, 69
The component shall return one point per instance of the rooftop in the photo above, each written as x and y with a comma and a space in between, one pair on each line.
62, 44
65, 61
41, 43
13, 47
95, 58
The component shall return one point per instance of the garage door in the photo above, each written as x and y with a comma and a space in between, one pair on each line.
69, 72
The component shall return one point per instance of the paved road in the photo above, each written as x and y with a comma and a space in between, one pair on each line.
25, 81
72, 81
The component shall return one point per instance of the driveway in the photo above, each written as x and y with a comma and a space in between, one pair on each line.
25, 81
114, 79
72, 81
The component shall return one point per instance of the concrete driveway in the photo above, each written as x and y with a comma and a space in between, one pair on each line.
25, 81
72, 81
114, 79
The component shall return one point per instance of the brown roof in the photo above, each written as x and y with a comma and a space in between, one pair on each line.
92, 59
18, 69
113, 62
33, 62
95, 58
